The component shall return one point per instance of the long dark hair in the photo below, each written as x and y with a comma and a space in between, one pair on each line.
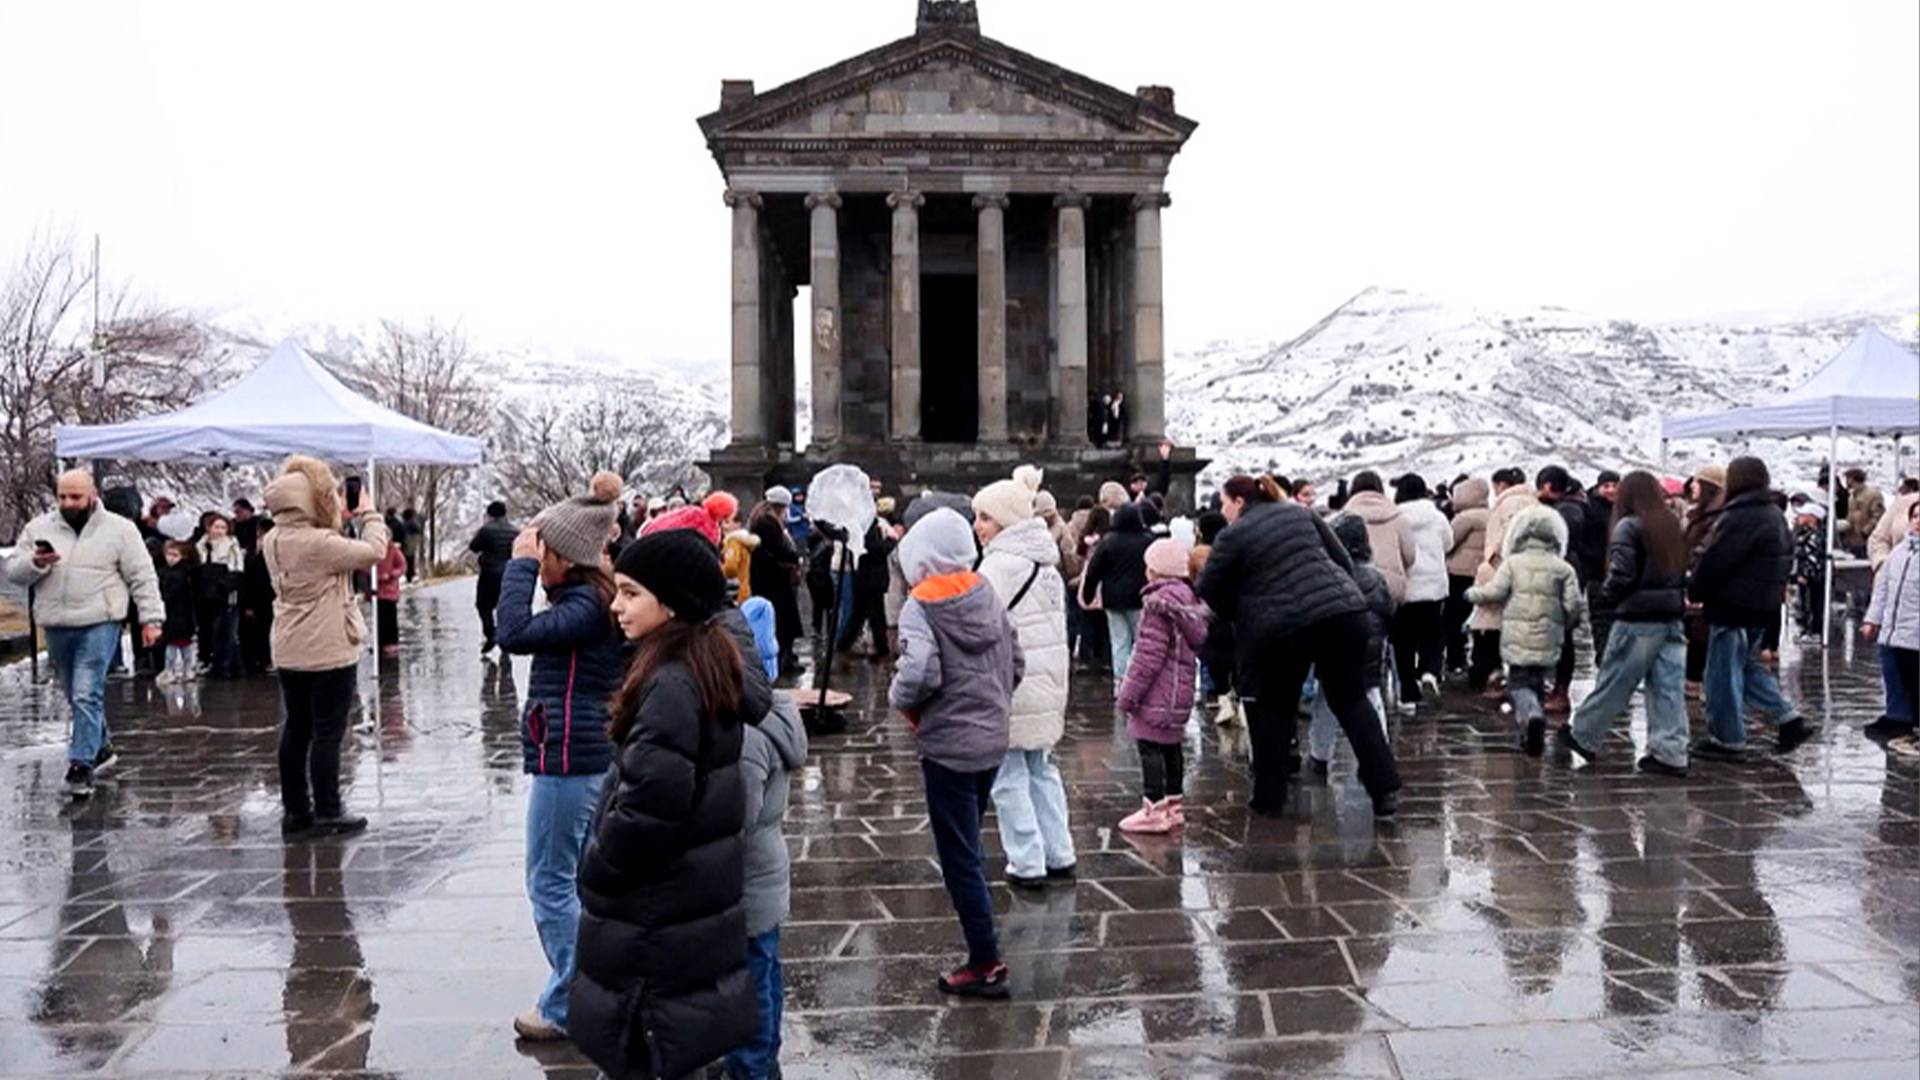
710, 656
595, 578
1640, 496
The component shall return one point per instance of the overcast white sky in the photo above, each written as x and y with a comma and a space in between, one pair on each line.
534, 170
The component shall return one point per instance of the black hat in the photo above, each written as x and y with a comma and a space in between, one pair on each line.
679, 568
1607, 476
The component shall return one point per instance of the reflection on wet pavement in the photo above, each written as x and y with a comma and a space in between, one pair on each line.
1519, 920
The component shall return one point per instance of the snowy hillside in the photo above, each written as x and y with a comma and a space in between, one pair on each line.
1397, 381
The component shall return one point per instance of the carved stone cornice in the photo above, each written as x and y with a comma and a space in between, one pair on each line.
911, 200
735, 198
982, 202
1074, 199
823, 198
1157, 200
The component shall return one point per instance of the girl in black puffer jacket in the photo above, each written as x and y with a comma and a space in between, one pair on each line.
1643, 587
1286, 582
662, 987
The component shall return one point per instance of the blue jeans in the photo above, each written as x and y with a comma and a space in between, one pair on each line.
559, 813
1032, 804
1651, 652
756, 1058
1735, 679
80, 654
1122, 628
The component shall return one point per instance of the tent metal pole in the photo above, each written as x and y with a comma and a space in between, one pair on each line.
1663, 455
1833, 479
372, 703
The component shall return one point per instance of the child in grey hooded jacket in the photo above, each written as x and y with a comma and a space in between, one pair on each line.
1541, 597
769, 753
959, 665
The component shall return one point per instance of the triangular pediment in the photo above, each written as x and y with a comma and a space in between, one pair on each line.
946, 86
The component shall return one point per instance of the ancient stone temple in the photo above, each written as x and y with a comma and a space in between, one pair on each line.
980, 231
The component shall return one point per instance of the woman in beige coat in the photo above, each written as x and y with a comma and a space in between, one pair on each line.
317, 636
1510, 496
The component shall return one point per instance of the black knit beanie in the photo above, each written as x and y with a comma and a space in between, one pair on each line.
681, 569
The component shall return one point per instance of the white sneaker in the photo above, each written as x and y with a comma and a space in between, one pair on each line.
1406, 708
1227, 713
1429, 686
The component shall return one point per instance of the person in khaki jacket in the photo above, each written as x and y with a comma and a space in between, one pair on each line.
1890, 530
318, 632
84, 565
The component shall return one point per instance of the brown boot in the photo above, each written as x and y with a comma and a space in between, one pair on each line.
1557, 702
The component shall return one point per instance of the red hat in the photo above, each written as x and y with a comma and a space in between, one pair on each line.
695, 518
721, 506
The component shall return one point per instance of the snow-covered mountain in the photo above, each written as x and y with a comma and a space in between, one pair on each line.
1396, 381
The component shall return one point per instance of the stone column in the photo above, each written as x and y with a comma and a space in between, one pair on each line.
1148, 415
1070, 301
992, 277
749, 390
825, 274
903, 313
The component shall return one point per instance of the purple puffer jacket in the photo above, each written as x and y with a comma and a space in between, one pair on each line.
1158, 692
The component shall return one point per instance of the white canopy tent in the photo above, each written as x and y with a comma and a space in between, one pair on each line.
287, 405
1872, 388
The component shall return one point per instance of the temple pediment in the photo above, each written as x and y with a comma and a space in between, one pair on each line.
942, 84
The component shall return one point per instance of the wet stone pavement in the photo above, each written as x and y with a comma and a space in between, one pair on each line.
1520, 919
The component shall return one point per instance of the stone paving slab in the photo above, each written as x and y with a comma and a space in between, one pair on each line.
1520, 919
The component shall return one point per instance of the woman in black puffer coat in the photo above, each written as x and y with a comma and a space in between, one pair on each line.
1286, 583
662, 987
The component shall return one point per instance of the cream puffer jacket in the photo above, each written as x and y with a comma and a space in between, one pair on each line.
1505, 508
1040, 625
99, 570
317, 625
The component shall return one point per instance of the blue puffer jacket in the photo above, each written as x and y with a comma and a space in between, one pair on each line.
579, 658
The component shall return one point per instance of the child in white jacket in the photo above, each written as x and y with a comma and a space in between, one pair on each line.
1893, 619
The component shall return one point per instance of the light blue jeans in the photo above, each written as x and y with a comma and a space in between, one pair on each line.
559, 813
1651, 652
1324, 728
80, 654
1123, 627
1735, 680
1032, 806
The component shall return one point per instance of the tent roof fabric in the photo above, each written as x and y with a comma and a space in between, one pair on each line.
287, 405
1871, 387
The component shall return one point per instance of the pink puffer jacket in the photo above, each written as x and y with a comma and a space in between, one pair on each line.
1158, 692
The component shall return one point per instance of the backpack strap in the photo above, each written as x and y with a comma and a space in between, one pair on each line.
1022, 594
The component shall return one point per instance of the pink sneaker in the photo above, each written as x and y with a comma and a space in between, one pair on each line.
1150, 818
1176, 810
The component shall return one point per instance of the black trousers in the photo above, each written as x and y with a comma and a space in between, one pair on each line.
1456, 613
1163, 768
387, 620
1601, 620
870, 614
486, 597
956, 808
256, 639
1335, 649
1419, 644
317, 705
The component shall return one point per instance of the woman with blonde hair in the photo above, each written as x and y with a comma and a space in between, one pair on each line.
317, 634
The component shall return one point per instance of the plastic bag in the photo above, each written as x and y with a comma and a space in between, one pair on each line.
842, 496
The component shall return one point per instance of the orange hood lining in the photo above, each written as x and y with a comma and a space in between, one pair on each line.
945, 586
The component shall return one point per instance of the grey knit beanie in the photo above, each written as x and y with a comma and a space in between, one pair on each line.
577, 529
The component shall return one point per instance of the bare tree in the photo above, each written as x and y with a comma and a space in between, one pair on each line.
427, 373
546, 451
149, 360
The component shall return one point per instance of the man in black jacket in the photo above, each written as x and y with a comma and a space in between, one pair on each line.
1593, 543
1740, 582
1116, 573
494, 545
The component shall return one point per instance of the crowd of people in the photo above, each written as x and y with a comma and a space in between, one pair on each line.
661, 753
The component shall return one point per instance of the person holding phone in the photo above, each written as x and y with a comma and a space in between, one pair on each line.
317, 635
85, 566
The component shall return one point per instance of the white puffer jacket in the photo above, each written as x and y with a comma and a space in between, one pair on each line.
100, 570
1432, 536
1896, 596
1040, 624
